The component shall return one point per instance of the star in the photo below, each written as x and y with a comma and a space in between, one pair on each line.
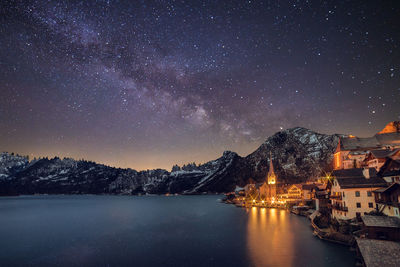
172, 77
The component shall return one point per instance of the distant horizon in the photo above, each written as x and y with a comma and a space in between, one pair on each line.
32, 156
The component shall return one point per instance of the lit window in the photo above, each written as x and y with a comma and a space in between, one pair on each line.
337, 160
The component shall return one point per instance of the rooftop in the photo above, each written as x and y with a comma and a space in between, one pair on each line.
378, 252
352, 173
381, 221
390, 168
388, 189
383, 153
390, 136
354, 178
309, 186
361, 182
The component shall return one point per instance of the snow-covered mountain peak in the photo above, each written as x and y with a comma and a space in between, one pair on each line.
228, 153
11, 163
298, 154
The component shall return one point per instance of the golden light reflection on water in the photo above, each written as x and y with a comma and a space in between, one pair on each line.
269, 238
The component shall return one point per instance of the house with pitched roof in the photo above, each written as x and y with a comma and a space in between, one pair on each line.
381, 227
352, 192
390, 171
376, 158
388, 200
294, 192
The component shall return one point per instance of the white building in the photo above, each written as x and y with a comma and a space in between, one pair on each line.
351, 193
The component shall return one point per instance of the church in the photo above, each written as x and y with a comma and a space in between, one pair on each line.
265, 193
267, 190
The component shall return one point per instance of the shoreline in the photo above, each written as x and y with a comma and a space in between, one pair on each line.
325, 234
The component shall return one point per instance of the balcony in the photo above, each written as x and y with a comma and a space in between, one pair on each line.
338, 207
336, 196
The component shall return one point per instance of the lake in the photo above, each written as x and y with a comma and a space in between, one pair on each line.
156, 231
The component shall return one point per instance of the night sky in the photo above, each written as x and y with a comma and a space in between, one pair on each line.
146, 84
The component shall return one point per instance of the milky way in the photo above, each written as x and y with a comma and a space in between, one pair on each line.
146, 84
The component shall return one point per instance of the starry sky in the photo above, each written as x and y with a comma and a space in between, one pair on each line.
147, 84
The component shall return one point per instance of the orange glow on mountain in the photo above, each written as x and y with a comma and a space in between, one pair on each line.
391, 127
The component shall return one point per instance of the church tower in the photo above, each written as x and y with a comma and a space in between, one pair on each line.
271, 174
271, 180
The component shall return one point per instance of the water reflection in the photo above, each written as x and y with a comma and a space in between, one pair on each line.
269, 238
133, 231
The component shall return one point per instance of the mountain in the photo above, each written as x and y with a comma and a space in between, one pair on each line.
298, 154
56, 176
391, 127
10, 164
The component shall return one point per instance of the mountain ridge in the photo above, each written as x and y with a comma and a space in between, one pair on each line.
298, 154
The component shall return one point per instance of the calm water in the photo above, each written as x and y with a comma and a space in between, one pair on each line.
156, 231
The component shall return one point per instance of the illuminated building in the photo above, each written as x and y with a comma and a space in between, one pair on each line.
351, 193
267, 190
352, 151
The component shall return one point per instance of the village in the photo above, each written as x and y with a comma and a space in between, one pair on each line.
356, 204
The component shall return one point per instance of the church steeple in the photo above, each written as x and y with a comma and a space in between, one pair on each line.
271, 174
